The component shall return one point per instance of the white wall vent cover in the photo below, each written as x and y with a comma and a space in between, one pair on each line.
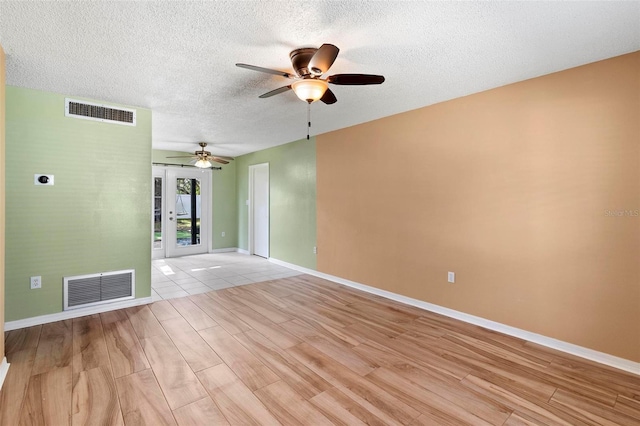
96, 289
98, 112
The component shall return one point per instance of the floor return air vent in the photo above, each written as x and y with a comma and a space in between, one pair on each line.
98, 112
89, 290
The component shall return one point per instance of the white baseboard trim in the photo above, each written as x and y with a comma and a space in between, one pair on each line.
75, 313
4, 369
224, 250
570, 348
243, 251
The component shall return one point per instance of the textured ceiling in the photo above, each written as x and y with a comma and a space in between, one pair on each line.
177, 58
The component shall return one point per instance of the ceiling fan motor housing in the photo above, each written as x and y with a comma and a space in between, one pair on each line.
300, 60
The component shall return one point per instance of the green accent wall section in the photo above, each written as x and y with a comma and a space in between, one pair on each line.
225, 207
292, 178
96, 217
225, 210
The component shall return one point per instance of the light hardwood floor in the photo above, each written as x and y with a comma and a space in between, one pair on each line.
298, 350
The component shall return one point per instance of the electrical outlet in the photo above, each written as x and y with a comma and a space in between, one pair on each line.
315, 250
223, 233
36, 282
451, 277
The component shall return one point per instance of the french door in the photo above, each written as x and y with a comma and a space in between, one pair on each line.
181, 211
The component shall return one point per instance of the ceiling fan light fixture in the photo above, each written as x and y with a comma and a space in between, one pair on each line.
310, 89
202, 163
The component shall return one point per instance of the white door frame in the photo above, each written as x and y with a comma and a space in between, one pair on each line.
252, 172
169, 245
159, 172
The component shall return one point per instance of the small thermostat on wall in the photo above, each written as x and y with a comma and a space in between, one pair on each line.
42, 179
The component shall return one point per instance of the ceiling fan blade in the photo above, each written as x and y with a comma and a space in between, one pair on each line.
329, 98
266, 70
219, 160
355, 79
275, 92
224, 157
322, 60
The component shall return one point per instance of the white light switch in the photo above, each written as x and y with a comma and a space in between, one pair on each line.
451, 277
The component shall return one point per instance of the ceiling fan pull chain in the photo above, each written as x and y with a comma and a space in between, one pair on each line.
308, 119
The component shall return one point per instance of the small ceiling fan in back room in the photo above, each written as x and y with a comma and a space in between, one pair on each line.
204, 158
309, 65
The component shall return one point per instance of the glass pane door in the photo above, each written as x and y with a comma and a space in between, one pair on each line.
187, 211
158, 226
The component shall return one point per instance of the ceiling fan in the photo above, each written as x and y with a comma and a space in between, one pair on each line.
309, 64
204, 158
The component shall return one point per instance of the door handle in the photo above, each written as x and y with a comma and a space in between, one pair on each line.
170, 218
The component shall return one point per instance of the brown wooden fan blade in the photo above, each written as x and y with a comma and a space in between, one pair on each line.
224, 157
355, 79
219, 160
329, 98
275, 92
322, 60
266, 70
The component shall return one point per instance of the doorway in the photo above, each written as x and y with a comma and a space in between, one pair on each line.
181, 212
259, 210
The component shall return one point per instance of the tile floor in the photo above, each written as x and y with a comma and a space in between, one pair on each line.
183, 276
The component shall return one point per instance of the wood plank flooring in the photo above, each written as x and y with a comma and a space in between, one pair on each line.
298, 350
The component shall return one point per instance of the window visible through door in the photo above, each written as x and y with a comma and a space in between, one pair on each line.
157, 212
188, 211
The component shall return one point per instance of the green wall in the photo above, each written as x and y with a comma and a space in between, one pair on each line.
292, 169
96, 218
225, 212
225, 208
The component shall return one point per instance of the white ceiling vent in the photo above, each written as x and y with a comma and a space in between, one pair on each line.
98, 112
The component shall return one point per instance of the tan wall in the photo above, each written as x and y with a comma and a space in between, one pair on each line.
2, 204
509, 189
